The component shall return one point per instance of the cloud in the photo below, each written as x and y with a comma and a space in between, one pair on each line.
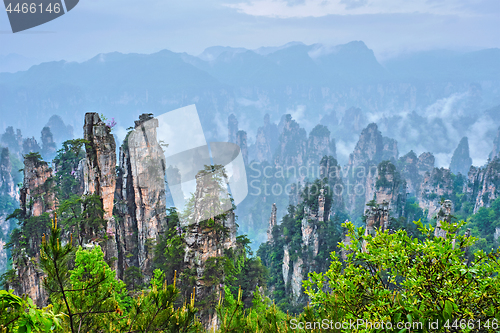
319, 8
350, 4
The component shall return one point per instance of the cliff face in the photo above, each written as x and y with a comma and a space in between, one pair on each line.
100, 162
461, 161
362, 169
373, 148
413, 170
319, 145
377, 216
299, 261
10, 198
435, 184
141, 197
241, 141
272, 223
266, 141
389, 189
330, 170
208, 235
37, 196
292, 143
483, 184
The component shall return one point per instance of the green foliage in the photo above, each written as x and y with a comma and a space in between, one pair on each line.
66, 161
399, 278
26, 238
154, 310
387, 170
289, 233
133, 278
34, 157
83, 216
95, 295
483, 225
21, 315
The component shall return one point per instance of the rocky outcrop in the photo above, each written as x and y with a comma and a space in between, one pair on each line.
390, 149
413, 170
373, 148
332, 172
100, 175
37, 193
266, 141
377, 217
461, 161
13, 141
30, 146
389, 189
483, 184
272, 223
435, 185
10, 199
48, 145
353, 120
140, 196
319, 145
362, 172
292, 143
208, 236
37, 196
241, 141
444, 215
304, 260
425, 163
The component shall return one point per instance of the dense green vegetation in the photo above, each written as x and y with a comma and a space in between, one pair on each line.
405, 275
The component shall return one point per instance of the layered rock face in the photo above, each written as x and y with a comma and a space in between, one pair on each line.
483, 184
362, 171
266, 141
30, 146
330, 170
444, 215
48, 144
272, 223
295, 270
413, 170
141, 197
10, 197
373, 148
319, 145
37, 196
14, 141
99, 172
435, 185
461, 161
389, 189
241, 141
207, 236
292, 143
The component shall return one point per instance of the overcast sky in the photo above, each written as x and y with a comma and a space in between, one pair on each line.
388, 27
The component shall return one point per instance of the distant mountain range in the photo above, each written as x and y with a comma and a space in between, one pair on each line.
308, 81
